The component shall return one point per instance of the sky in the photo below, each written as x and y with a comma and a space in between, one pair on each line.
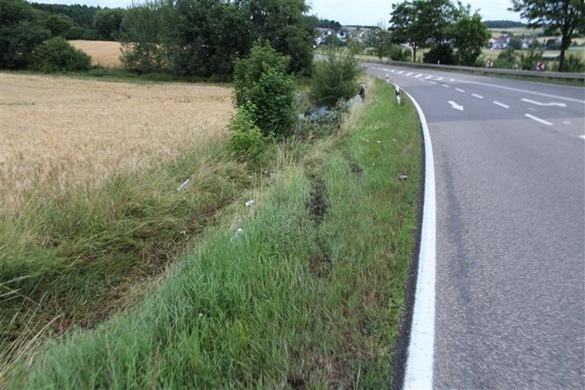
346, 12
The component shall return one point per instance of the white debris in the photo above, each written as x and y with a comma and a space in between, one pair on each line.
250, 203
182, 186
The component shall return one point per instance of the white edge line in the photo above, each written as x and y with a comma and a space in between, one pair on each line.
419, 362
534, 118
477, 96
500, 104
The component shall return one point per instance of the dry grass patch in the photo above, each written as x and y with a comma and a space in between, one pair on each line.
58, 133
104, 53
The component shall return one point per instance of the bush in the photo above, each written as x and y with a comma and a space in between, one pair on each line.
335, 79
261, 81
529, 60
57, 55
246, 141
442, 54
574, 64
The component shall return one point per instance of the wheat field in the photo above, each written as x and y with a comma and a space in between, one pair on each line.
58, 133
104, 53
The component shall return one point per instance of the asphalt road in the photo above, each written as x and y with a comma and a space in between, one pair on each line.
509, 160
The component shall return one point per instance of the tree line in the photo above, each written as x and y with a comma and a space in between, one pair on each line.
454, 35
183, 37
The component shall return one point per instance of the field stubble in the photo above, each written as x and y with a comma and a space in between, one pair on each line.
58, 133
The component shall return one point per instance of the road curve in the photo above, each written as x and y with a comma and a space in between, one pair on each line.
509, 160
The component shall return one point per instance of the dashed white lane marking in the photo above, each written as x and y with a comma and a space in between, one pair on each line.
418, 75
401, 72
460, 90
409, 74
440, 79
428, 77
551, 104
477, 96
421, 349
582, 136
432, 82
534, 118
446, 86
500, 104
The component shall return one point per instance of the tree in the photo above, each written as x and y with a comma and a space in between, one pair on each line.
57, 55
555, 16
143, 37
284, 24
469, 36
261, 82
107, 23
381, 41
335, 78
421, 23
20, 33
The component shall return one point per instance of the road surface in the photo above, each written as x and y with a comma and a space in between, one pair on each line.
509, 161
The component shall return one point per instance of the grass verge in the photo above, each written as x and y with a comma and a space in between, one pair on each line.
308, 294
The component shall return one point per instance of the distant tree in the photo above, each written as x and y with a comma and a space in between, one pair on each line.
469, 35
58, 25
381, 40
20, 33
555, 16
421, 23
515, 43
144, 38
107, 23
503, 24
332, 24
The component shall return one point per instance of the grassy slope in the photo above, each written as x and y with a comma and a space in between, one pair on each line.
310, 294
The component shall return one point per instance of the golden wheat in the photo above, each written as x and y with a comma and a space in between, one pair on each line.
104, 53
58, 133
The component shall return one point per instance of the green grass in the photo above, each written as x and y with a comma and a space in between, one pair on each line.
309, 294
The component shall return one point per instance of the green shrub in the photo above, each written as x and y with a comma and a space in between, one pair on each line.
261, 80
57, 55
442, 54
335, 78
246, 141
574, 64
529, 60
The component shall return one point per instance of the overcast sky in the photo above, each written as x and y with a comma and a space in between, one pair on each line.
347, 12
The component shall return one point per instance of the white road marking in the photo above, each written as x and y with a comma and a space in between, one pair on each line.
582, 136
526, 91
452, 80
440, 79
446, 86
500, 104
432, 82
418, 75
409, 73
428, 77
455, 105
566, 122
477, 96
538, 119
460, 90
551, 104
421, 349
401, 72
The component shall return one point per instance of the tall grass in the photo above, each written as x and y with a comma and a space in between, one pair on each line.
308, 294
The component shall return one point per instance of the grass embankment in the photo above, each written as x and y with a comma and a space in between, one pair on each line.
309, 293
